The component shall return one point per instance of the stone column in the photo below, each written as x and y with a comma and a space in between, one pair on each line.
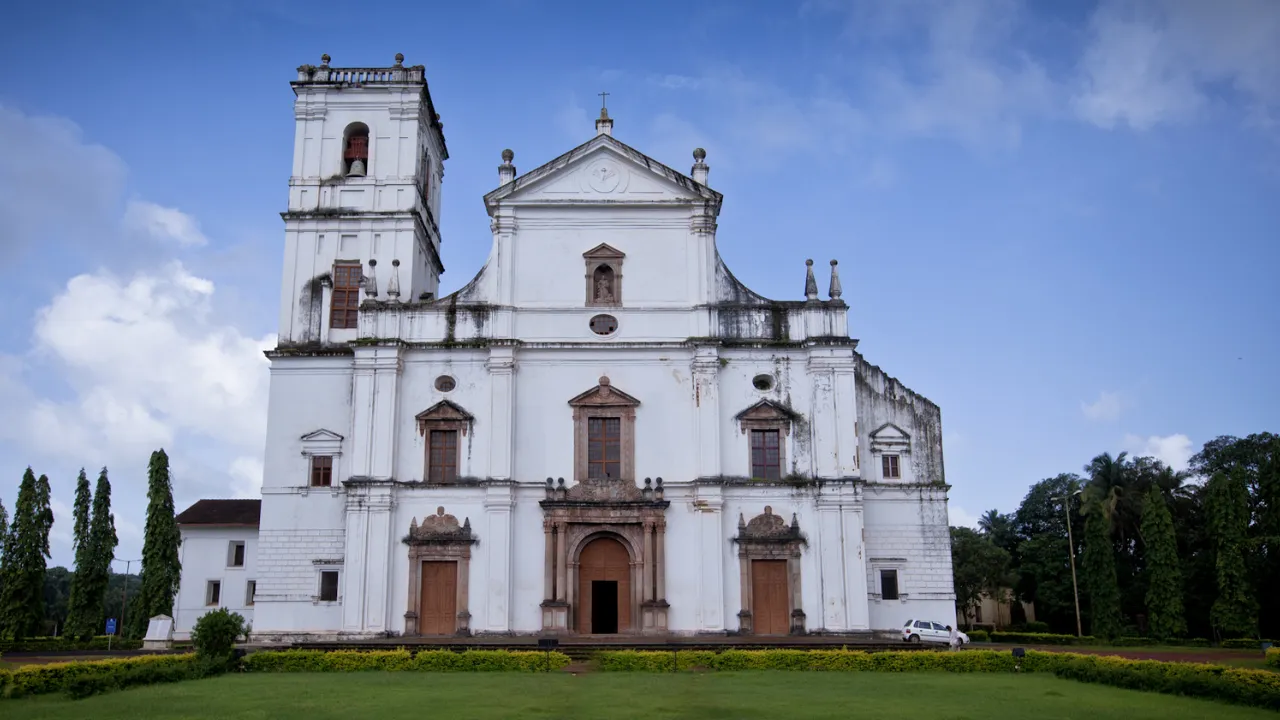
846, 408
353, 562
501, 366
377, 567
712, 542
659, 563
548, 571
859, 609
498, 503
647, 564
562, 564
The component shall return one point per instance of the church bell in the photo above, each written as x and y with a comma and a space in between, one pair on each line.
357, 168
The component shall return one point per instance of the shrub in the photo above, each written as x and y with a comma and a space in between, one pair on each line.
43, 644
1194, 642
215, 634
1042, 639
401, 659
1134, 641
1243, 643
1273, 657
1035, 626
87, 678
979, 636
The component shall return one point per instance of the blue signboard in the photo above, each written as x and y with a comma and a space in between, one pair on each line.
111, 626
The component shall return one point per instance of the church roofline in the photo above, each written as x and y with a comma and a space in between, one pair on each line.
523, 181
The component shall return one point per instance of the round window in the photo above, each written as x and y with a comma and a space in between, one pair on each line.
762, 382
604, 324
444, 383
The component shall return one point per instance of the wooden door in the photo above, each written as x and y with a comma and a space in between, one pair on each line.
438, 613
603, 559
770, 612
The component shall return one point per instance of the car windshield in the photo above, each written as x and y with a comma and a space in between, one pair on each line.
907, 624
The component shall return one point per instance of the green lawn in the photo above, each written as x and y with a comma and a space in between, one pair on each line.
919, 696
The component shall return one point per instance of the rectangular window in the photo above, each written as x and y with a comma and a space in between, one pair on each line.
443, 456
213, 593
604, 447
889, 467
766, 461
329, 586
235, 554
250, 589
321, 470
345, 304
889, 584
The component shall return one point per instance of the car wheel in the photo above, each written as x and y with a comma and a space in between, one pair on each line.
914, 639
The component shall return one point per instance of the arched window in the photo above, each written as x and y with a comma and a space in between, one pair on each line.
355, 153
603, 290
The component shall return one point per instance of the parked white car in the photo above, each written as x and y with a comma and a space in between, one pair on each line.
928, 631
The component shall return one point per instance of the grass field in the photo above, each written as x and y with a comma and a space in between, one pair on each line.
919, 696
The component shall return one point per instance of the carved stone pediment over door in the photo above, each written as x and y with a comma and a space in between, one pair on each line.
769, 551
439, 574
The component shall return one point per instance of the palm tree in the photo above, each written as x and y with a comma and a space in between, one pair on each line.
1114, 490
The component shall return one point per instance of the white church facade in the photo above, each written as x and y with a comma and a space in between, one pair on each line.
603, 432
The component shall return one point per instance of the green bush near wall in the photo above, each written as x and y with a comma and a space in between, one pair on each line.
1273, 657
979, 636
403, 660
95, 676
1259, 688
1244, 643
1043, 639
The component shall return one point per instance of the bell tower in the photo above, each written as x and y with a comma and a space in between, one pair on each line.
364, 198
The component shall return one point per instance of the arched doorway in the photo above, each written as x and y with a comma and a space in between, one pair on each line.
604, 587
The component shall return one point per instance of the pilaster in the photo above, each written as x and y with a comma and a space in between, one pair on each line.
501, 366
706, 399
713, 539
375, 400
498, 503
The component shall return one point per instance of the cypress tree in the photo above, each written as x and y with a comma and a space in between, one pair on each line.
1234, 612
77, 610
4, 542
102, 550
161, 568
1100, 575
1164, 589
26, 549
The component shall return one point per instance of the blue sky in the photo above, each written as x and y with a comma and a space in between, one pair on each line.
1059, 221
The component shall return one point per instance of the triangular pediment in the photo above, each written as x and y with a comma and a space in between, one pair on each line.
604, 251
602, 169
767, 410
889, 432
322, 435
444, 410
604, 395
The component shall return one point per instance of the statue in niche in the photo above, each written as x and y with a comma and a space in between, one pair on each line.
603, 285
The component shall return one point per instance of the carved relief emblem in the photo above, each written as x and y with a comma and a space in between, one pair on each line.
604, 176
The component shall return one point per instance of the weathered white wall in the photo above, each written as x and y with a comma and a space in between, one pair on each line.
204, 556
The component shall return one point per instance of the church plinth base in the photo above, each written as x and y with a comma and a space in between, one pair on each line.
654, 616
555, 616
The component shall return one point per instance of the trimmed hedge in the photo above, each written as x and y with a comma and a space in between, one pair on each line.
1259, 688
42, 644
979, 636
1244, 643
402, 660
1043, 639
1273, 657
99, 674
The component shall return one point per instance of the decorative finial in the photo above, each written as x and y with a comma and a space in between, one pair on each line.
604, 380
393, 285
768, 509
371, 281
507, 171
508, 156
699, 154
439, 511
835, 290
700, 168
742, 521
604, 126
399, 59
324, 60
794, 522
604, 97
810, 283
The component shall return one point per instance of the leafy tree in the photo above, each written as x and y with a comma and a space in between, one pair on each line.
1000, 528
1043, 555
980, 568
77, 622
161, 566
215, 634
1164, 589
1234, 613
94, 576
58, 582
26, 550
1099, 572
4, 534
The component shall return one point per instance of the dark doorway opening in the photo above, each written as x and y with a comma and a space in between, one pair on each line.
604, 606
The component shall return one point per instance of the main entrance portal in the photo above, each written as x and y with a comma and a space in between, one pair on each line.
604, 585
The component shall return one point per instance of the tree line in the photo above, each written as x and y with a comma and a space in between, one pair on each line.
1159, 553
31, 594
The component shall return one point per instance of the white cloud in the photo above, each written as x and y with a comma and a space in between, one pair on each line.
162, 223
1105, 409
1173, 450
959, 517
1150, 62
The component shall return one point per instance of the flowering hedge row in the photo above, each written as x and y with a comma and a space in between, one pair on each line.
398, 660
1259, 688
116, 672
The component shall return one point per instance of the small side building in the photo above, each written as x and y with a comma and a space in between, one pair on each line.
219, 555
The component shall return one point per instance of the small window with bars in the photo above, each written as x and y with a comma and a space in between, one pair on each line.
766, 455
344, 306
442, 456
604, 447
321, 470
